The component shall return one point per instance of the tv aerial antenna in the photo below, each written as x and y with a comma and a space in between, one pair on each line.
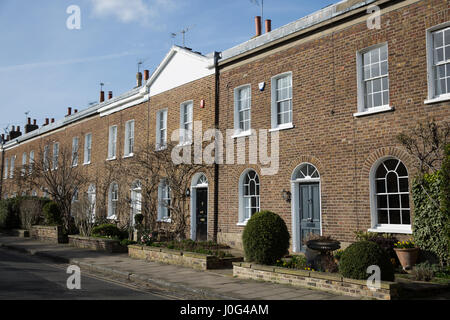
262, 7
183, 34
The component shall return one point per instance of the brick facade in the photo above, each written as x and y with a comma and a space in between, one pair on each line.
322, 60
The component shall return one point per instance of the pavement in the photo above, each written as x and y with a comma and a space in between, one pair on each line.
207, 285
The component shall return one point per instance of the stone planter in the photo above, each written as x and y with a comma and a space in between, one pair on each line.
193, 260
97, 244
407, 257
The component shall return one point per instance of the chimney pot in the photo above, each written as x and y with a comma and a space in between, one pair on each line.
110, 94
139, 79
76, 110
34, 121
258, 25
146, 75
53, 120
102, 96
13, 128
47, 120
29, 120
18, 129
69, 111
268, 25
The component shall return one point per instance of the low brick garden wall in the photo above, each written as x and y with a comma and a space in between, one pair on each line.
188, 259
47, 233
97, 244
318, 280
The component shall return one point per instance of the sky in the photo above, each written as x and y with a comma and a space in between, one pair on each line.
45, 67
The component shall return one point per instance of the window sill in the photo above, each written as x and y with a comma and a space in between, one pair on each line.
86, 163
128, 156
283, 127
242, 134
242, 224
184, 144
438, 99
392, 229
161, 149
114, 217
166, 220
111, 159
373, 111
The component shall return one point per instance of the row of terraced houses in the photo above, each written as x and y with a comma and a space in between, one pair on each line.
336, 89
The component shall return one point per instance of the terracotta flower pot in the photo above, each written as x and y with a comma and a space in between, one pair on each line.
407, 257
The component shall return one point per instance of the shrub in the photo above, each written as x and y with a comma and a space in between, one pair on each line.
265, 238
360, 255
126, 242
138, 218
9, 214
295, 262
52, 214
107, 231
445, 194
423, 271
430, 221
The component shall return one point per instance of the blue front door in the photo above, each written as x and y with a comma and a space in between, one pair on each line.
309, 211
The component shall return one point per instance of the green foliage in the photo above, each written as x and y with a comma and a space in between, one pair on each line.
430, 222
52, 214
126, 242
138, 218
9, 213
265, 238
188, 245
108, 231
360, 255
445, 193
295, 262
423, 271
338, 254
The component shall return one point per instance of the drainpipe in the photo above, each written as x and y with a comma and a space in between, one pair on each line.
217, 56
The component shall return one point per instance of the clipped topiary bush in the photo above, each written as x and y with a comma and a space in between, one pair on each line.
107, 231
9, 214
360, 255
265, 238
52, 214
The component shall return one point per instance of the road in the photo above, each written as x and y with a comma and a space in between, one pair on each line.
29, 278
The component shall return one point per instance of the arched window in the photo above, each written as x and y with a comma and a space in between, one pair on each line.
391, 194
113, 198
248, 195
306, 171
164, 201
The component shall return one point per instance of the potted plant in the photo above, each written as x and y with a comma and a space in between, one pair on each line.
407, 253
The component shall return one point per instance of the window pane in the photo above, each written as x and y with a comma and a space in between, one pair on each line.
438, 39
384, 68
382, 202
375, 69
394, 216
391, 180
406, 218
447, 37
381, 171
377, 85
383, 53
383, 217
439, 55
377, 100
405, 201
381, 186
391, 164
375, 55
447, 53
394, 201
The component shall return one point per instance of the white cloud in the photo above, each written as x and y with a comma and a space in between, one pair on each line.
130, 10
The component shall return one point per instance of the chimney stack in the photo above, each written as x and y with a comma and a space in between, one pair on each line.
15, 133
139, 79
69, 111
258, 25
30, 127
110, 94
268, 25
3, 137
102, 96
146, 75
46, 121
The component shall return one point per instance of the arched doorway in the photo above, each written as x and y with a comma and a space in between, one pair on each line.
306, 204
136, 200
199, 207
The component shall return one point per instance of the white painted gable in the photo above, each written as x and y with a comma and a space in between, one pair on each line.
179, 67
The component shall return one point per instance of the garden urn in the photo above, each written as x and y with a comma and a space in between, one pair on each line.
407, 257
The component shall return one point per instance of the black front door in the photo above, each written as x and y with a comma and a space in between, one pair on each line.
202, 214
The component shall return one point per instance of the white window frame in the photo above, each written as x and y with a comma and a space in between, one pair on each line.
186, 127
31, 161
274, 110
12, 164
87, 148
92, 199
432, 98
112, 143
75, 153
362, 108
164, 195
242, 219
46, 160
136, 200
24, 163
129, 139
238, 132
55, 156
6, 173
160, 130
113, 201
385, 228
